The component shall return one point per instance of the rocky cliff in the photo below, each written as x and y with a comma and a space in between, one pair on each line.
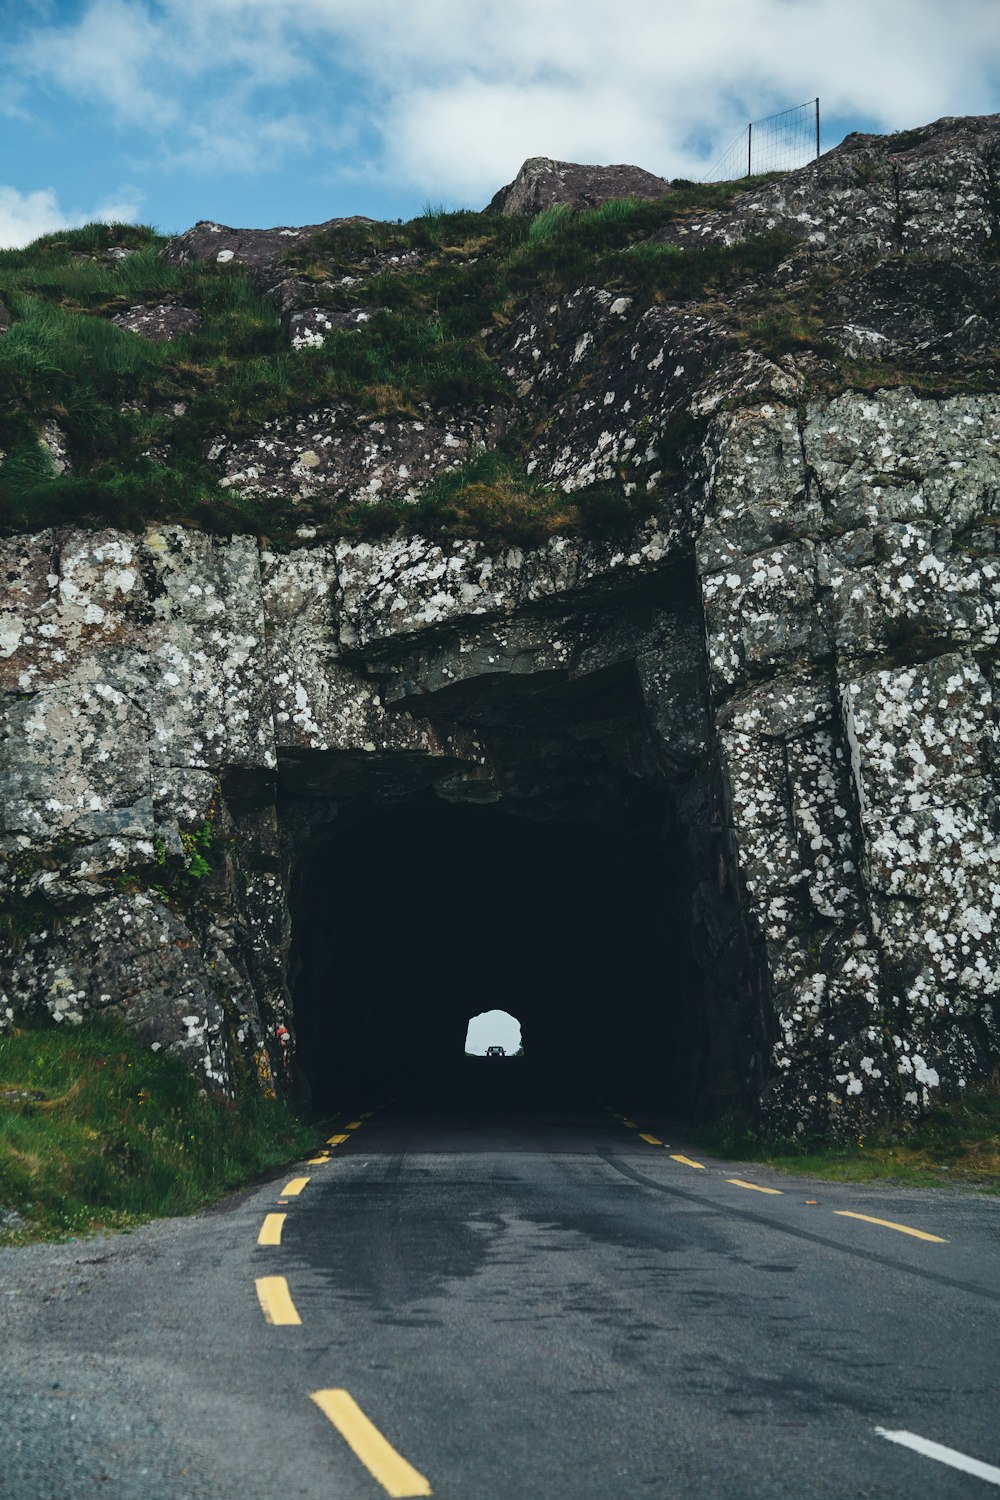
686, 534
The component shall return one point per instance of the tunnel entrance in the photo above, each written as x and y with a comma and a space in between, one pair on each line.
581, 887
411, 918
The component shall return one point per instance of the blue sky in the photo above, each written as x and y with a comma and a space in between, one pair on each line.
295, 111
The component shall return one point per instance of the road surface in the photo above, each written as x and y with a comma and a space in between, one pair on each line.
496, 1295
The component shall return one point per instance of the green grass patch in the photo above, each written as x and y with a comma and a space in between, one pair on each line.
492, 498
98, 1132
955, 1143
139, 416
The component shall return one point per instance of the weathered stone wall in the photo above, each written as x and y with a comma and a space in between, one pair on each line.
851, 616
162, 685
153, 687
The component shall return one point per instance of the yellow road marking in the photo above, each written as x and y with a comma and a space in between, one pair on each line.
686, 1161
650, 1138
275, 1300
354, 1125
293, 1189
336, 1140
753, 1187
397, 1477
918, 1234
629, 1124
317, 1161
270, 1230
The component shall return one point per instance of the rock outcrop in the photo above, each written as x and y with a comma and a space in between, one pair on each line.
542, 182
159, 321
791, 647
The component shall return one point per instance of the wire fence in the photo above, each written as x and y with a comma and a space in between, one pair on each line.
778, 143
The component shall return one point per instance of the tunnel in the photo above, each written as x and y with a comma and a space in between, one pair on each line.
410, 918
584, 889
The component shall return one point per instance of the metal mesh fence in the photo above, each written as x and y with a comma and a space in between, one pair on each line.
775, 144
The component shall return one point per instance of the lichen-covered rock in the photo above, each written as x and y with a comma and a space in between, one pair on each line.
649, 363
542, 182
923, 192
137, 674
159, 321
259, 251
408, 585
877, 806
55, 444
130, 954
331, 452
320, 702
309, 327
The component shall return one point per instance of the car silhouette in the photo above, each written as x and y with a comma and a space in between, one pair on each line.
495, 1052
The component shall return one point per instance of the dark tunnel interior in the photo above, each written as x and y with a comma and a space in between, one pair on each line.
411, 917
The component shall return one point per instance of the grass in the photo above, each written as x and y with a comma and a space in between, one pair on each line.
98, 1132
955, 1143
139, 417
491, 497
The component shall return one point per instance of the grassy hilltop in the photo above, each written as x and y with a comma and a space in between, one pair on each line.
139, 415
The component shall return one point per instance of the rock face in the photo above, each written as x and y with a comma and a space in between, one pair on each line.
260, 252
780, 693
158, 321
542, 182
333, 451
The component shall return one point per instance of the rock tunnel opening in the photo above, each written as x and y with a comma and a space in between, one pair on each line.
575, 877
407, 919
410, 919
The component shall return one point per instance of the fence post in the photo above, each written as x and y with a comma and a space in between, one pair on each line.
750, 149
817, 127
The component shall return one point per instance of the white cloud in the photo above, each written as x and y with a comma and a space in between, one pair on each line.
644, 80
456, 94
25, 216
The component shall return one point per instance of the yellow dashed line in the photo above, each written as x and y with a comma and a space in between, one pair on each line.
293, 1189
650, 1138
354, 1125
318, 1161
337, 1140
753, 1187
270, 1230
918, 1234
686, 1161
629, 1124
276, 1301
397, 1477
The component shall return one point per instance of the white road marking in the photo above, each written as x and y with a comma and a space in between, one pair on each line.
943, 1455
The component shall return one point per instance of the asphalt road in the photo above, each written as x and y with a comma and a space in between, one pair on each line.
511, 1299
